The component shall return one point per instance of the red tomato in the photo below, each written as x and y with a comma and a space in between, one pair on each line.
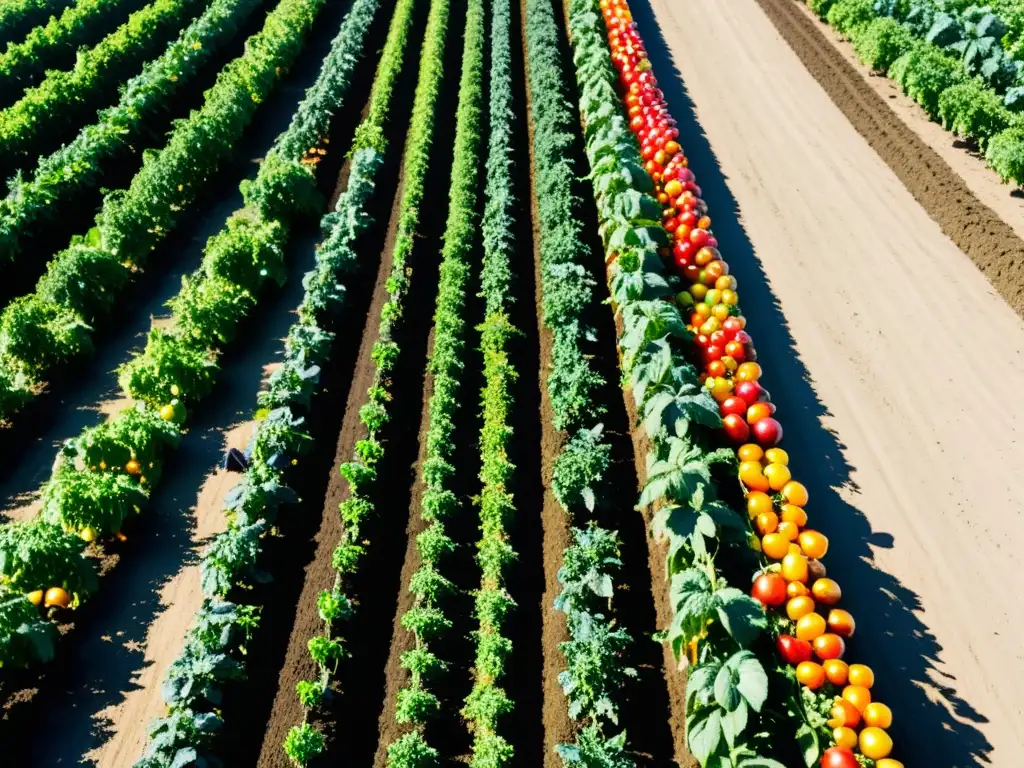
736, 428
734, 405
793, 650
699, 237
749, 391
767, 431
769, 589
837, 757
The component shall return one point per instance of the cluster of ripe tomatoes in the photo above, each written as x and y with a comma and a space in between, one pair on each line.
794, 579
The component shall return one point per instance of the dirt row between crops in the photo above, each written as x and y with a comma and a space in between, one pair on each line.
975, 228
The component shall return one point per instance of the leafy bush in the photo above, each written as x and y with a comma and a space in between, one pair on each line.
820, 7
924, 73
881, 42
847, 15
971, 110
1005, 155
40, 334
39, 555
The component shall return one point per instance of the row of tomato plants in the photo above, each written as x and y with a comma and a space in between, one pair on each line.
38, 200
828, 698
949, 63
18, 17
104, 476
488, 701
426, 620
53, 325
53, 45
64, 99
341, 230
214, 650
596, 650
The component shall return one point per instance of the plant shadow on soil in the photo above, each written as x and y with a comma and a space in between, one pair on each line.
891, 638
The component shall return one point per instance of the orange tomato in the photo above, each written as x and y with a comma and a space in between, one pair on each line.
726, 283
798, 607
777, 474
829, 646
794, 568
749, 372
767, 522
878, 715
716, 368
836, 671
797, 589
758, 503
776, 456
810, 674
826, 591
857, 695
861, 675
705, 222
775, 546
888, 762
55, 596
844, 714
757, 411
791, 513
809, 627
752, 477
814, 544
875, 743
795, 493
845, 738
750, 452
705, 256
790, 531
841, 622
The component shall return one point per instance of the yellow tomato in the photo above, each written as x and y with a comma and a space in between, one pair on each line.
777, 456
791, 513
767, 522
790, 531
878, 715
775, 546
811, 626
795, 493
749, 372
875, 743
713, 297
861, 675
758, 503
729, 362
703, 309
798, 607
826, 591
730, 298
750, 452
814, 544
794, 568
35, 597
888, 762
778, 475
836, 671
845, 738
698, 291
752, 477
797, 589
720, 312
857, 695
726, 283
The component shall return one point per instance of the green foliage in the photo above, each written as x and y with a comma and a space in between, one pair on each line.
411, 751
58, 102
579, 468
25, 638
971, 110
847, 15
820, 7
1005, 155
39, 555
303, 743
86, 281
593, 750
40, 334
923, 73
86, 499
168, 360
881, 42
19, 16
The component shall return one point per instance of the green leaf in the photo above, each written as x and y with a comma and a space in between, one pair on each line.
741, 616
704, 733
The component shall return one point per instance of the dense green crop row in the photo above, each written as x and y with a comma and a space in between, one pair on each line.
17, 17
426, 619
51, 326
342, 229
58, 104
566, 285
103, 477
211, 659
949, 60
38, 201
487, 701
53, 45
718, 625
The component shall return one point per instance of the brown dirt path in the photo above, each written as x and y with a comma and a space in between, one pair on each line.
895, 366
